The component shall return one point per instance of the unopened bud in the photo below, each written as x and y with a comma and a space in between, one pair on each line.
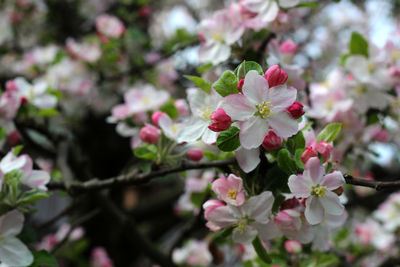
149, 134
194, 154
307, 154
220, 121
275, 76
296, 110
272, 141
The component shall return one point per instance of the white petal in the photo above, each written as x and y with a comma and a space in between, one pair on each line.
333, 180
253, 132
288, 3
11, 224
259, 207
10, 162
314, 212
192, 130
314, 170
283, 124
248, 159
14, 253
209, 137
244, 237
255, 87
282, 96
331, 203
45, 101
268, 231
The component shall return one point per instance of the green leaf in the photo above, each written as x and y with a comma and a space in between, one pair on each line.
197, 198
297, 158
32, 196
200, 82
329, 133
48, 112
17, 150
247, 66
260, 250
343, 58
226, 84
295, 142
43, 258
3, 133
204, 68
170, 109
146, 151
358, 45
309, 4
228, 140
285, 162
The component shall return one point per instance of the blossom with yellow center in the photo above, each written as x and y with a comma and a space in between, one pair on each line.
265, 109
318, 190
232, 193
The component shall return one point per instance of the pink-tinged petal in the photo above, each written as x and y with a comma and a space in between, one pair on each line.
120, 111
268, 231
235, 181
238, 107
331, 203
255, 87
210, 205
252, 132
10, 162
11, 223
28, 166
248, 159
244, 237
259, 207
282, 96
314, 212
300, 185
37, 179
14, 253
220, 186
283, 124
314, 170
333, 180
306, 234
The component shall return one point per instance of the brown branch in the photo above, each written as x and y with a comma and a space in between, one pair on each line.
377, 185
135, 179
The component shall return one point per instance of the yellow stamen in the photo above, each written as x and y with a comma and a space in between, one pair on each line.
265, 109
232, 193
318, 190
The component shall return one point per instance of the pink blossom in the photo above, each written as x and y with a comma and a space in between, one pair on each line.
149, 134
272, 141
229, 189
324, 149
109, 26
100, 258
275, 76
220, 121
307, 154
260, 109
288, 47
182, 106
9, 105
317, 188
194, 154
84, 51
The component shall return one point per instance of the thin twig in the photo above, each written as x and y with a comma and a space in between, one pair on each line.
129, 179
377, 185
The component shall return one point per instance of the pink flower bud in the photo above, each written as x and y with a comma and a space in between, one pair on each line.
144, 11
275, 76
202, 38
272, 141
194, 154
307, 154
292, 246
210, 205
394, 72
149, 134
182, 106
220, 121
13, 138
156, 116
381, 136
240, 85
296, 110
324, 149
288, 47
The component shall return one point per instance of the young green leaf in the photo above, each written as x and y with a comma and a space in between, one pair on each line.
226, 84
247, 66
228, 140
200, 82
295, 142
43, 258
286, 163
358, 45
146, 151
329, 133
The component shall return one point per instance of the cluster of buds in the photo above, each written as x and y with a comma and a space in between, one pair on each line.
323, 148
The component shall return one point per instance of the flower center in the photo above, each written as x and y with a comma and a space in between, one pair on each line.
318, 190
395, 55
232, 193
145, 100
360, 90
206, 112
264, 110
218, 37
241, 226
